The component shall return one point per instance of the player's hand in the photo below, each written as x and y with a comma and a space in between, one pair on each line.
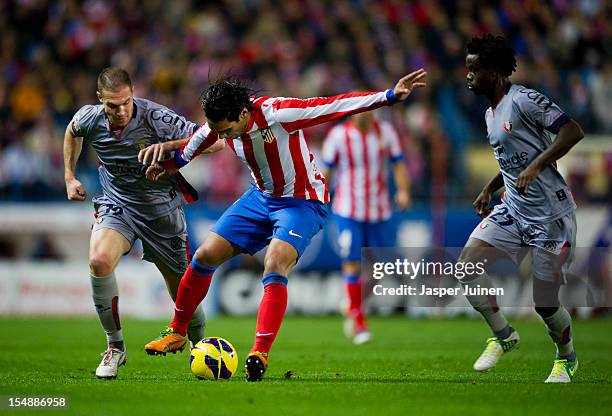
151, 154
157, 171
75, 190
481, 202
402, 199
407, 84
526, 177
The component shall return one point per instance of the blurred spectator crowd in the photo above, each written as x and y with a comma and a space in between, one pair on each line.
52, 51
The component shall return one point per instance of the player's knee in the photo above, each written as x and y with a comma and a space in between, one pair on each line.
280, 258
469, 255
273, 264
546, 311
100, 264
208, 256
279, 261
351, 267
545, 295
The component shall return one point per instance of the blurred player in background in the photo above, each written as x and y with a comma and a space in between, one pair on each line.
360, 150
285, 207
537, 209
131, 207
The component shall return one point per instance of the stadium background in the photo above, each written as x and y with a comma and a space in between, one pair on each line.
52, 51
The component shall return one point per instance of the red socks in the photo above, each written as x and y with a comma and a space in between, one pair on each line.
192, 290
271, 311
355, 311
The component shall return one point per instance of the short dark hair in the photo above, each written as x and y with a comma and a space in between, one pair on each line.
493, 52
113, 78
225, 99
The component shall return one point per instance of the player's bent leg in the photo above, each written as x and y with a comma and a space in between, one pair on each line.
106, 248
505, 338
215, 250
279, 261
197, 324
192, 289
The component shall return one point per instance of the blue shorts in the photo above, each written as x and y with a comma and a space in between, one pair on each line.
352, 235
255, 219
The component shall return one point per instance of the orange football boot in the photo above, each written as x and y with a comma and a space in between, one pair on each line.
168, 341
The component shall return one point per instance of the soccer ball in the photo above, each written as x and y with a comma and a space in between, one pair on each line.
213, 358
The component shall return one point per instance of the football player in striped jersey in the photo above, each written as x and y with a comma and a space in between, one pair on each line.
284, 208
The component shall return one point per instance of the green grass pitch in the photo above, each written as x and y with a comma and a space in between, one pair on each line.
411, 367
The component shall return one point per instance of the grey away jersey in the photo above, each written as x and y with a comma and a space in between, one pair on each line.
121, 175
519, 130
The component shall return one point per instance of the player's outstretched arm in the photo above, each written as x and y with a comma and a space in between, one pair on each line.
155, 153
72, 150
204, 140
297, 113
484, 197
569, 134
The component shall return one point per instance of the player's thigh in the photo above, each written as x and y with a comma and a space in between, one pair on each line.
216, 250
112, 236
297, 221
349, 238
245, 224
164, 241
546, 293
553, 247
497, 235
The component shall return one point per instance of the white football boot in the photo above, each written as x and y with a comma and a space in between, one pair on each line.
495, 349
112, 358
563, 371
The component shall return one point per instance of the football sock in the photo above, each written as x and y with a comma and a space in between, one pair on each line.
195, 330
504, 333
192, 290
271, 311
105, 295
559, 325
353, 286
487, 306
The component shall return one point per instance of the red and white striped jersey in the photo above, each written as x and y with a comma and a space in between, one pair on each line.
274, 148
361, 162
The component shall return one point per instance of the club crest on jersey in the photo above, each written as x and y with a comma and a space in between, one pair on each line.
140, 145
508, 126
267, 135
